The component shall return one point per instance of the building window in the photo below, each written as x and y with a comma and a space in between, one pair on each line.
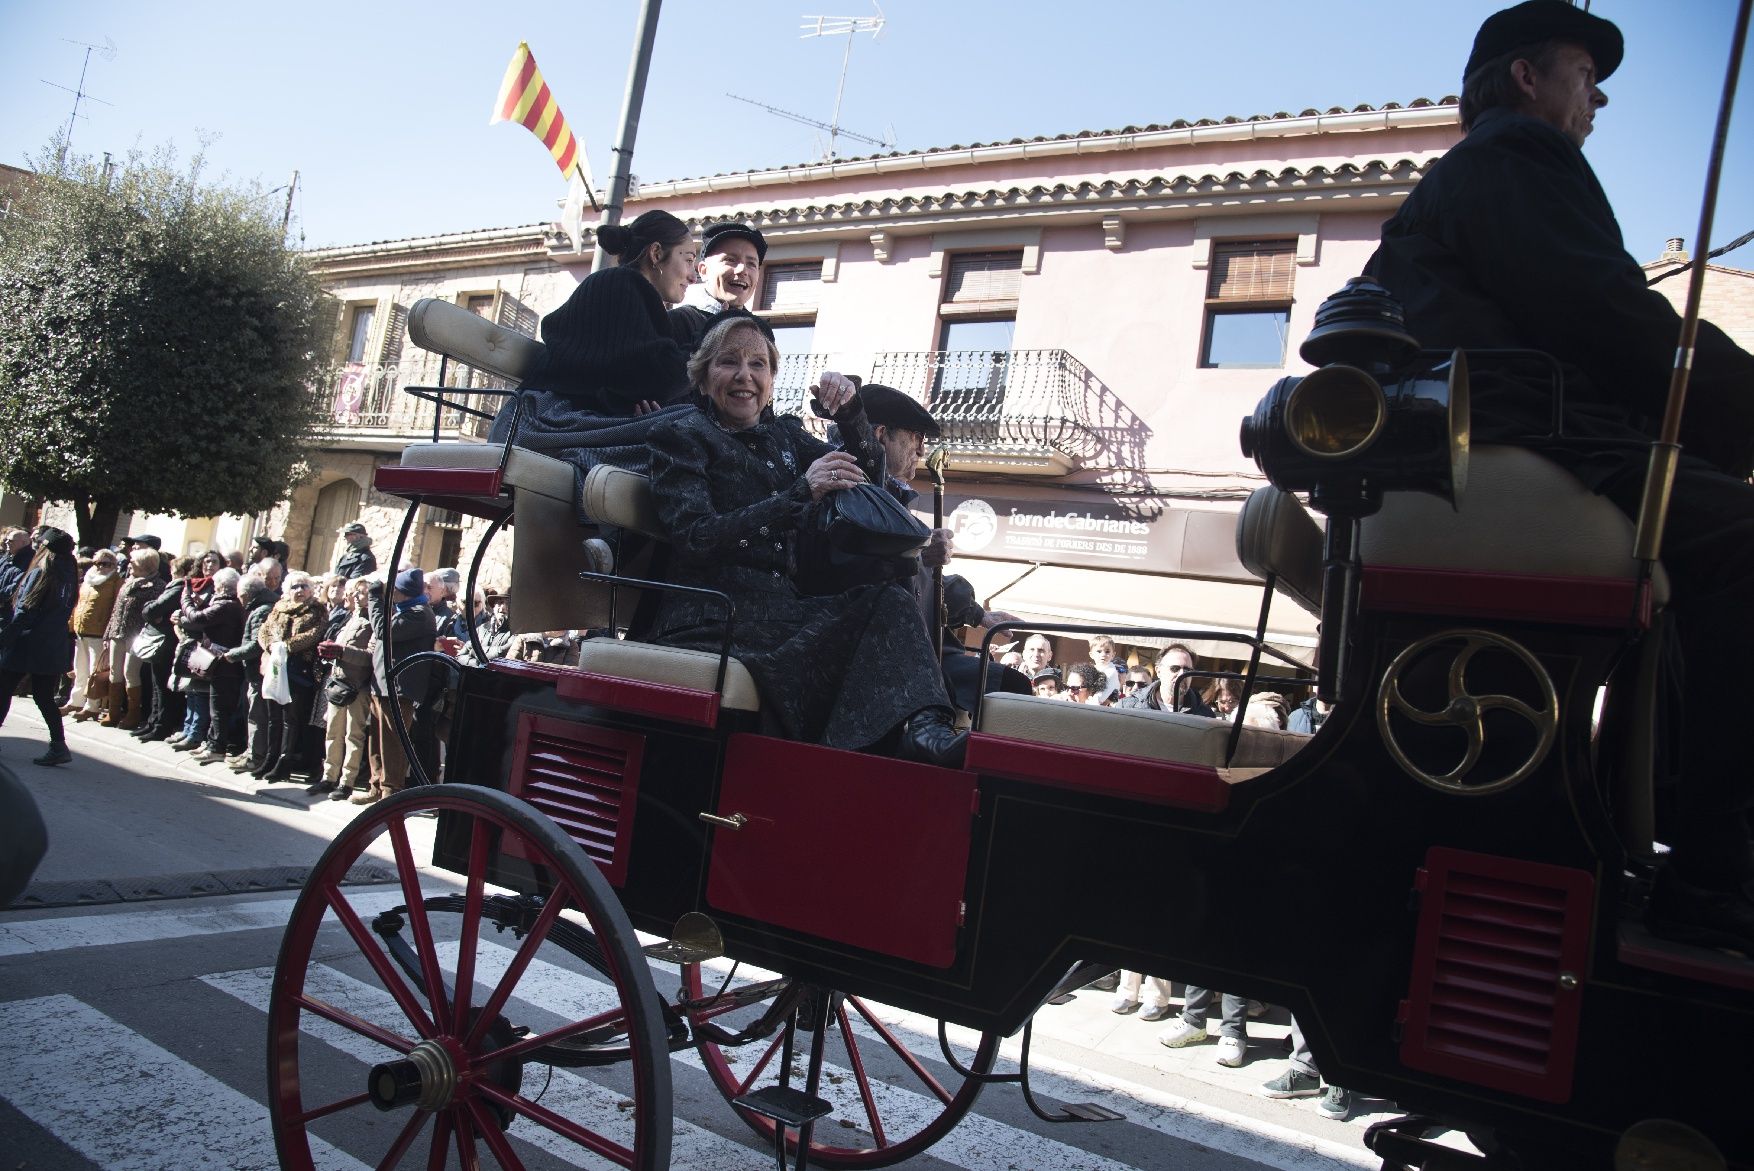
982, 284
1248, 304
789, 290
449, 524
359, 332
979, 318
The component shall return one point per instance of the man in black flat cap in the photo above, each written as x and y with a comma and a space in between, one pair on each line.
1509, 242
731, 255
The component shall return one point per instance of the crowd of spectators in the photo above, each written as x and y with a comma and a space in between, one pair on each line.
233, 659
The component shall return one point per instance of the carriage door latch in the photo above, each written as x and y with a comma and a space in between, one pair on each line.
735, 821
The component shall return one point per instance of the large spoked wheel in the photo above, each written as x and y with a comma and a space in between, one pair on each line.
403, 1030
892, 1091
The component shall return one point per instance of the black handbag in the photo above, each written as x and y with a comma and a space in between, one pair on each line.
339, 692
867, 521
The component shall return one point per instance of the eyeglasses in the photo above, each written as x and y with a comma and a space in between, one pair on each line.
1135, 684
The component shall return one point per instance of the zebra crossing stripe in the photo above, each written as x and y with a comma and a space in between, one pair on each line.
29, 936
693, 1148
126, 1104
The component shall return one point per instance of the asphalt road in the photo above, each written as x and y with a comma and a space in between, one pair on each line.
133, 1026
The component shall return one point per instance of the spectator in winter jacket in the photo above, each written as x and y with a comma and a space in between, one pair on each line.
164, 705
126, 622
358, 559
412, 629
297, 621
349, 653
35, 642
91, 616
217, 627
253, 595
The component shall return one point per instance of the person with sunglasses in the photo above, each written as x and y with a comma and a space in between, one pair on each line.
1086, 684
1175, 662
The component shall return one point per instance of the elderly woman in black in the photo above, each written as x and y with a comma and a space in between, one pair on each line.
734, 486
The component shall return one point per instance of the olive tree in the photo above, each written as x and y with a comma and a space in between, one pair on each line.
158, 342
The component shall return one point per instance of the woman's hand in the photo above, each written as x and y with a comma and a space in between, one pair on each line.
835, 470
645, 406
834, 391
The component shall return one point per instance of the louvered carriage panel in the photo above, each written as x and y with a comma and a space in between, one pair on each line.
586, 780
1498, 972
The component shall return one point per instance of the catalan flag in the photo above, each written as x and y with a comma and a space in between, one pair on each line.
524, 98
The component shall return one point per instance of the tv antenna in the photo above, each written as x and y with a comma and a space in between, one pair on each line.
841, 131
107, 51
835, 26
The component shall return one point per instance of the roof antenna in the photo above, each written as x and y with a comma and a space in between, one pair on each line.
847, 26
107, 51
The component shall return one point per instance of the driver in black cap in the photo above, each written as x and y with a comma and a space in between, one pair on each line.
1509, 242
731, 255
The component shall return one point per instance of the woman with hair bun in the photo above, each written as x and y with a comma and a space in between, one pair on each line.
35, 640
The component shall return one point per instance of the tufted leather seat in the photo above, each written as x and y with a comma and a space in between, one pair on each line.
1142, 732
1520, 513
449, 329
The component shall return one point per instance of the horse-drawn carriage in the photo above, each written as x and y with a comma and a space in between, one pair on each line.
1442, 883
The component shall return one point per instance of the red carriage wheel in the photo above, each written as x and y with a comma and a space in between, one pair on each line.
399, 1026
893, 1093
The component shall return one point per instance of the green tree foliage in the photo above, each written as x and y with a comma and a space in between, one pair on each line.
158, 343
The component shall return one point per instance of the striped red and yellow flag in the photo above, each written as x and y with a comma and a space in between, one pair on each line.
524, 98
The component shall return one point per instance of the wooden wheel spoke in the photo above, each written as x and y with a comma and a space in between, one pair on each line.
468, 1158
418, 921
772, 1048
334, 1107
380, 963
857, 1064
357, 1024
615, 1016
542, 1116
470, 935
488, 1128
416, 1123
902, 1051
440, 1152
514, 972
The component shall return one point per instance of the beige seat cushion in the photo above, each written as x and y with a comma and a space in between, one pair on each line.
526, 471
615, 496
1141, 732
1276, 536
1521, 513
669, 665
450, 329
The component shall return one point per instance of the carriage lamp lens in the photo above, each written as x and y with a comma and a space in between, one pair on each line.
1335, 413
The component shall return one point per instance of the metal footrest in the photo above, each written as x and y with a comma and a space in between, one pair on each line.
694, 940
1090, 1112
785, 1105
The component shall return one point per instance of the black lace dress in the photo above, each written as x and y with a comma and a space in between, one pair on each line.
843, 670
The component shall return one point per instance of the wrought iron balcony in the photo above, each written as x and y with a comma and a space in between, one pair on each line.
366, 405
1003, 410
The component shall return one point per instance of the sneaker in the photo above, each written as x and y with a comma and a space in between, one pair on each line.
1293, 1083
238, 760
1335, 1103
1156, 1012
344, 793
57, 754
1232, 1051
1123, 1006
1181, 1034
1106, 983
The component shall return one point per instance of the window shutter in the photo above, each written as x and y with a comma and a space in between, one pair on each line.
395, 319
511, 313
791, 288
983, 278
1251, 270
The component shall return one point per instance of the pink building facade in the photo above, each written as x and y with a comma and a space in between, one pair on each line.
1089, 315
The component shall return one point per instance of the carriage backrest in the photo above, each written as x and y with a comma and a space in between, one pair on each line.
1277, 539
618, 497
472, 339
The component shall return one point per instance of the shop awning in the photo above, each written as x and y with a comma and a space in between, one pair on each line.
1052, 593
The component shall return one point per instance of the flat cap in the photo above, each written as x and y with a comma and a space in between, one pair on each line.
960, 606
355, 527
891, 408
715, 234
147, 539
1534, 21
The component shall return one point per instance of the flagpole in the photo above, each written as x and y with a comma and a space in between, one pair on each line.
630, 111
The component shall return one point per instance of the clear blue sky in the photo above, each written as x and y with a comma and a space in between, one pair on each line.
383, 107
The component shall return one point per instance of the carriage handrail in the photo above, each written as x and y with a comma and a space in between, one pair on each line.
719, 596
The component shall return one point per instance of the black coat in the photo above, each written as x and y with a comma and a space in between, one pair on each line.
841, 670
1509, 241
358, 561
35, 640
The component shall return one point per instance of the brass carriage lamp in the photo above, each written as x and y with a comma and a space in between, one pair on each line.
1374, 417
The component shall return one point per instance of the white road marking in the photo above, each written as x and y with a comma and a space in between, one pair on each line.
126, 1104
570, 1095
26, 937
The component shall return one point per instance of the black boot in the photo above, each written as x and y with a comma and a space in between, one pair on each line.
281, 771
930, 737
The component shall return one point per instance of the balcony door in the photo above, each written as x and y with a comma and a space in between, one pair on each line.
337, 507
